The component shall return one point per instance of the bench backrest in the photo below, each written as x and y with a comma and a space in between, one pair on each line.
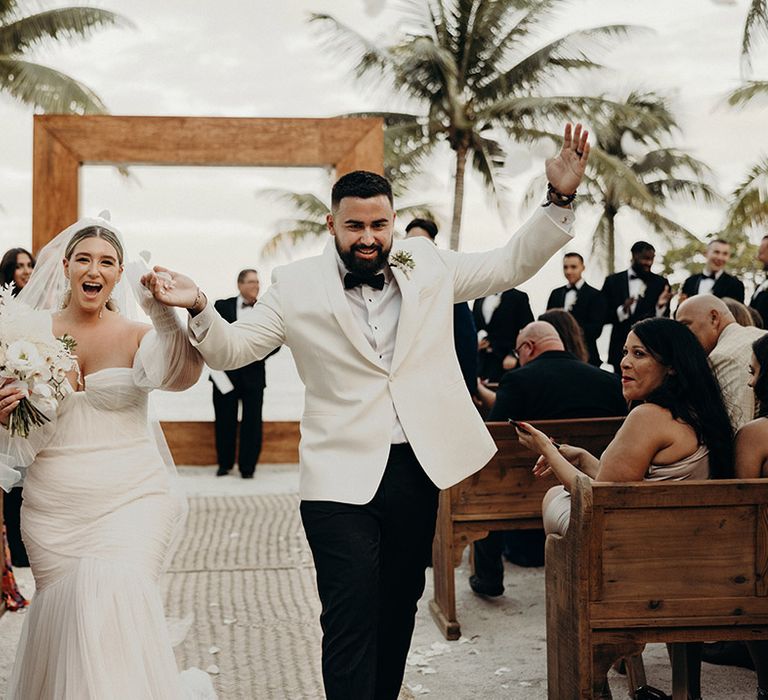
683, 554
506, 487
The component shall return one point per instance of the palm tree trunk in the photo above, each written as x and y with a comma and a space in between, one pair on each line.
458, 195
610, 228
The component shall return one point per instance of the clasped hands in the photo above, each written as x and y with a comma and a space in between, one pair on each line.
172, 288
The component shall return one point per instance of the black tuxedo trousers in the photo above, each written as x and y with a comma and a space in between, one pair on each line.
225, 407
370, 561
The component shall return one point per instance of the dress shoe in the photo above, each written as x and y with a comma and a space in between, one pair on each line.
222, 472
484, 588
247, 476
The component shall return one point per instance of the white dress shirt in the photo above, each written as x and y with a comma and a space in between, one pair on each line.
572, 295
377, 312
241, 310
636, 290
707, 283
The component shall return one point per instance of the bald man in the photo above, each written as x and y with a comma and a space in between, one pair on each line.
729, 347
549, 384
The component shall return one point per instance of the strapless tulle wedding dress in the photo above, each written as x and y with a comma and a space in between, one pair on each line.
99, 518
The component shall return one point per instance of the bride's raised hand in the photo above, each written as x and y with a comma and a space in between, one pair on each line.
10, 396
171, 288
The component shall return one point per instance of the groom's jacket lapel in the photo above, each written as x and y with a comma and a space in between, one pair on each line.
408, 323
340, 306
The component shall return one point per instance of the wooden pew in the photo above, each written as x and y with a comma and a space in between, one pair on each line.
653, 562
503, 495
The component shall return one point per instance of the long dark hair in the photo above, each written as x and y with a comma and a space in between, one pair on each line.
760, 350
569, 330
8, 265
690, 390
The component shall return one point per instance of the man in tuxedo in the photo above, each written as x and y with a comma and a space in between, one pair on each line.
464, 332
759, 300
550, 384
387, 418
633, 295
713, 279
584, 302
498, 319
247, 388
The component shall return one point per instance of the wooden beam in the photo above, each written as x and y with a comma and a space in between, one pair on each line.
365, 154
55, 193
193, 443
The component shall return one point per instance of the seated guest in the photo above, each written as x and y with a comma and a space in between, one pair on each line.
680, 429
759, 300
713, 279
729, 347
752, 439
740, 312
752, 463
585, 302
570, 332
757, 319
550, 384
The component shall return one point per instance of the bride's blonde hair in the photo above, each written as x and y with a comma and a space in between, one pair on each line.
93, 232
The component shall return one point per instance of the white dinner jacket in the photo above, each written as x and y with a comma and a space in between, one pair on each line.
350, 396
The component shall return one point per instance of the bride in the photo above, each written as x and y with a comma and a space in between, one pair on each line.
102, 510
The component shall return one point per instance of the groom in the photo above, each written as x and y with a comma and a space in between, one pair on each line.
387, 417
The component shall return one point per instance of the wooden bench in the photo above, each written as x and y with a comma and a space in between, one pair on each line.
653, 562
503, 495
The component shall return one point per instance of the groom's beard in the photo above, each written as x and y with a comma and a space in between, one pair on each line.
363, 266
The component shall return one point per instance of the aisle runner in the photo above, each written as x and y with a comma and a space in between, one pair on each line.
245, 570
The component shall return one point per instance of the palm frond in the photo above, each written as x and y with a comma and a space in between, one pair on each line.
671, 230
670, 160
755, 27
746, 93
487, 159
66, 23
304, 202
298, 232
678, 188
749, 206
46, 88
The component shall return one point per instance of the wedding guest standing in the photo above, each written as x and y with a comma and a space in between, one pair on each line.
245, 387
585, 303
387, 417
713, 279
633, 295
15, 268
759, 301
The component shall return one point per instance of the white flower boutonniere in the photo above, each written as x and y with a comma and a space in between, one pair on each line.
404, 261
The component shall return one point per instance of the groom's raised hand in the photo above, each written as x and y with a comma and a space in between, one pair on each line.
566, 170
173, 289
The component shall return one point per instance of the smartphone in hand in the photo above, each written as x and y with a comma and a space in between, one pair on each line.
519, 426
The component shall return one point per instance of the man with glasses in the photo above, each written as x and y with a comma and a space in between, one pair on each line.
550, 384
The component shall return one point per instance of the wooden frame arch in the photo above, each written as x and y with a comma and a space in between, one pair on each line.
63, 143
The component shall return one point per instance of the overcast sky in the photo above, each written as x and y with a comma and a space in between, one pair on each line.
260, 58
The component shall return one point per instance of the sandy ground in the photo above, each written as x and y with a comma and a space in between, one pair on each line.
245, 570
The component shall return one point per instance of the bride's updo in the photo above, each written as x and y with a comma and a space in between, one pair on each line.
93, 232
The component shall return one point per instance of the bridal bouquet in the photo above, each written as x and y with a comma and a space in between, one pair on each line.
35, 360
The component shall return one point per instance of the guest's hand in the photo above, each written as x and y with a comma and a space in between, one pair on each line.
534, 439
566, 170
484, 344
665, 297
509, 362
628, 304
9, 399
573, 454
171, 288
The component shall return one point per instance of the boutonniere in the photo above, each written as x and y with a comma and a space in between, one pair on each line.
404, 261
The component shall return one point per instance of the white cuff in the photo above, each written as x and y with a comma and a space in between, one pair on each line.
198, 325
562, 216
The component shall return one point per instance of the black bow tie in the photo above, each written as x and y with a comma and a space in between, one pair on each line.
248, 305
705, 276
572, 288
352, 280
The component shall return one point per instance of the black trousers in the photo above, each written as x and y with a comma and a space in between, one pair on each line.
225, 409
521, 547
370, 561
12, 516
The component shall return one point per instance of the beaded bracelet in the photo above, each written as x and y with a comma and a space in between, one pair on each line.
557, 198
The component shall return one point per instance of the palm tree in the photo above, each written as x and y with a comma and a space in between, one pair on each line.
34, 84
756, 24
473, 70
309, 222
633, 167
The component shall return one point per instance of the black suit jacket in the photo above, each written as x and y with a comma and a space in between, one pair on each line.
759, 302
465, 341
511, 315
589, 312
725, 286
251, 376
616, 291
558, 386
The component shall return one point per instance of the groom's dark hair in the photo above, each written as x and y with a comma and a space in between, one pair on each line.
360, 183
